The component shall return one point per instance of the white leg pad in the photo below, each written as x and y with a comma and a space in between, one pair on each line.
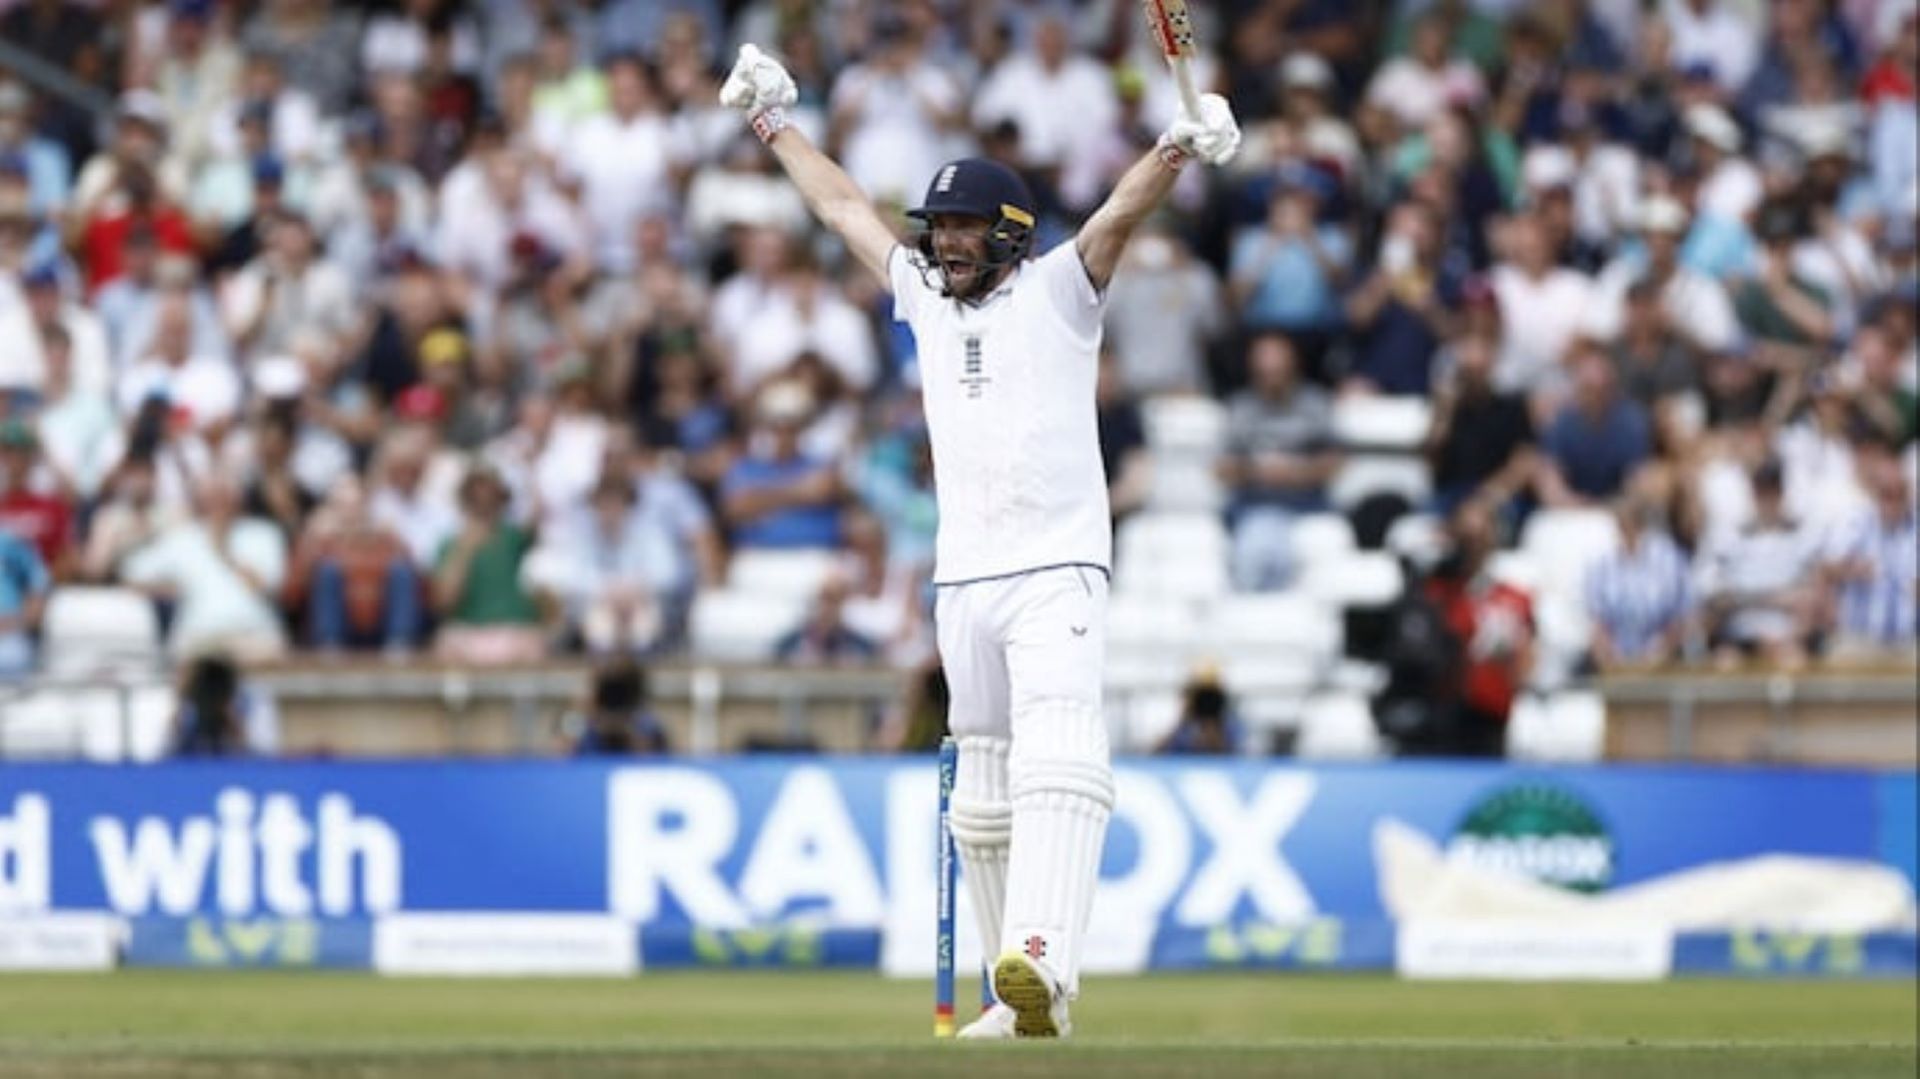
980, 816
1062, 787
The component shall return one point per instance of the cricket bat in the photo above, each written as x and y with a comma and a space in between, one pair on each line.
1172, 28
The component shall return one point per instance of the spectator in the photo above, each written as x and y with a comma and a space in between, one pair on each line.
223, 572
1696, 307
1400, 310
892, 113
1640, 596
825, 638
316, 45
1164, 311
1548, 304
42, 519
197, 74
1124, 457
1207, 724
1413, 88
201, 389
220, 715
354, 580
1652, 363
615, 573
1596, 440
618, 719
1779, 308
1287, 274
1492, 621
624, 160
885, 603
1481, 444
287, 289
46, 311
1060, 100
49, 174
1870, 562
24, 584
1816, 452
80, 436
486, 615
1278, 460
804, 312
1759, 584
774, 495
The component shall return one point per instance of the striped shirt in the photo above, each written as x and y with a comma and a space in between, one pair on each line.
1882, 607
1636, 594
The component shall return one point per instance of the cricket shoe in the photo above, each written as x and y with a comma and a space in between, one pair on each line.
995, 1022
1039, 1005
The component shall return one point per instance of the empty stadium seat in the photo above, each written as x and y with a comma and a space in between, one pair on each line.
736, 626
1338, 726
1273, 624
1150, 644
1568, 727
1171, 555
789, 574
1382, 423
1360, 579
1196, 425
1419, 537
1369, 473
37, 725
1566, 543
1318, 538
1184, 483
88, 630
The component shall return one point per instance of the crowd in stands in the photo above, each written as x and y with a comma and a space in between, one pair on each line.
481, 329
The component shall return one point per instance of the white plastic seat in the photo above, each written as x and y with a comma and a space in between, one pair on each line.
151, 711
1340, 727
1567, 543
1370, 473
1273, 623
1318, 538
1567, 728
1361, 579
37, 725
87, 630
785, 574
1420, 537
1171, 555
735, 626
1185, 424
1384, 423
1183, 484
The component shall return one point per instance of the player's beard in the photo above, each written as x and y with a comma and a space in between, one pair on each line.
969, 279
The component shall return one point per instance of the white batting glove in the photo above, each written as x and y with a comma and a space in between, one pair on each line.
757, 82
1213, 138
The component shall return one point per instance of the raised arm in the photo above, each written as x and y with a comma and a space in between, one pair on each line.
762, 89
1213, 139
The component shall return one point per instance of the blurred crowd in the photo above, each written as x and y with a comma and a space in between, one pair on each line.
480, 328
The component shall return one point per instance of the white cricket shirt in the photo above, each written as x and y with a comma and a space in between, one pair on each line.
1008, 391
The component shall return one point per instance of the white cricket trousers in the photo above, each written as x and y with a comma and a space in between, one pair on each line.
1024, 658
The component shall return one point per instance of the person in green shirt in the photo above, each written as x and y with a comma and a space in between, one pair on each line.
486, 614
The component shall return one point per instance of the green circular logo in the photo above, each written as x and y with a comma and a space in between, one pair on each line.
1538, 831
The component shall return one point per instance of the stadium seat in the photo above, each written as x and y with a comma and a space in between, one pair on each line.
742, 627
89, 630
1370, 473
1273, 624
1381, 423
1563, 635
1338, 726
1318, 538
1566, 543
1184, 483
784, 574
1418, 537
1171, 555
1360, 579
1191, 425
1150, 644
1140, 721
151, 710
1567, 728
37, 725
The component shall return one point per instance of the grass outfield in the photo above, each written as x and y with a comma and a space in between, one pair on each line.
775, 1025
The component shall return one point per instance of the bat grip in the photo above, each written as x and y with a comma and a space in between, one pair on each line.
1183, 81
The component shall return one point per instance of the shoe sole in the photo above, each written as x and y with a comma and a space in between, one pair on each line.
1020, 986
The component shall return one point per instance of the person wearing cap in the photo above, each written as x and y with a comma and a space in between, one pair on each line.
1695, 306
139, 141
1758, 584
486, 614
1730, 186
48, 171
237, 192
27, 509
197, 75
775, 495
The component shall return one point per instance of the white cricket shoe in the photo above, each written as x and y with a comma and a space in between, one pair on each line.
995, 1022
1038, 1003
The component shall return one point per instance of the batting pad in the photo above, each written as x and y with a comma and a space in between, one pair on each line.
1062, 788
981, 819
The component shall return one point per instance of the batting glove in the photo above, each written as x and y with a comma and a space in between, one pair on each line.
757, 82
1213, 138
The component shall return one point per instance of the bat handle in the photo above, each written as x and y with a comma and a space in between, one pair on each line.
1183, 81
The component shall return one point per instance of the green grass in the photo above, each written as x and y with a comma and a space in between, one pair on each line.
275, 1025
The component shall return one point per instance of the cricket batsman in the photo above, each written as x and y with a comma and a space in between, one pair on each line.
1008, 347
